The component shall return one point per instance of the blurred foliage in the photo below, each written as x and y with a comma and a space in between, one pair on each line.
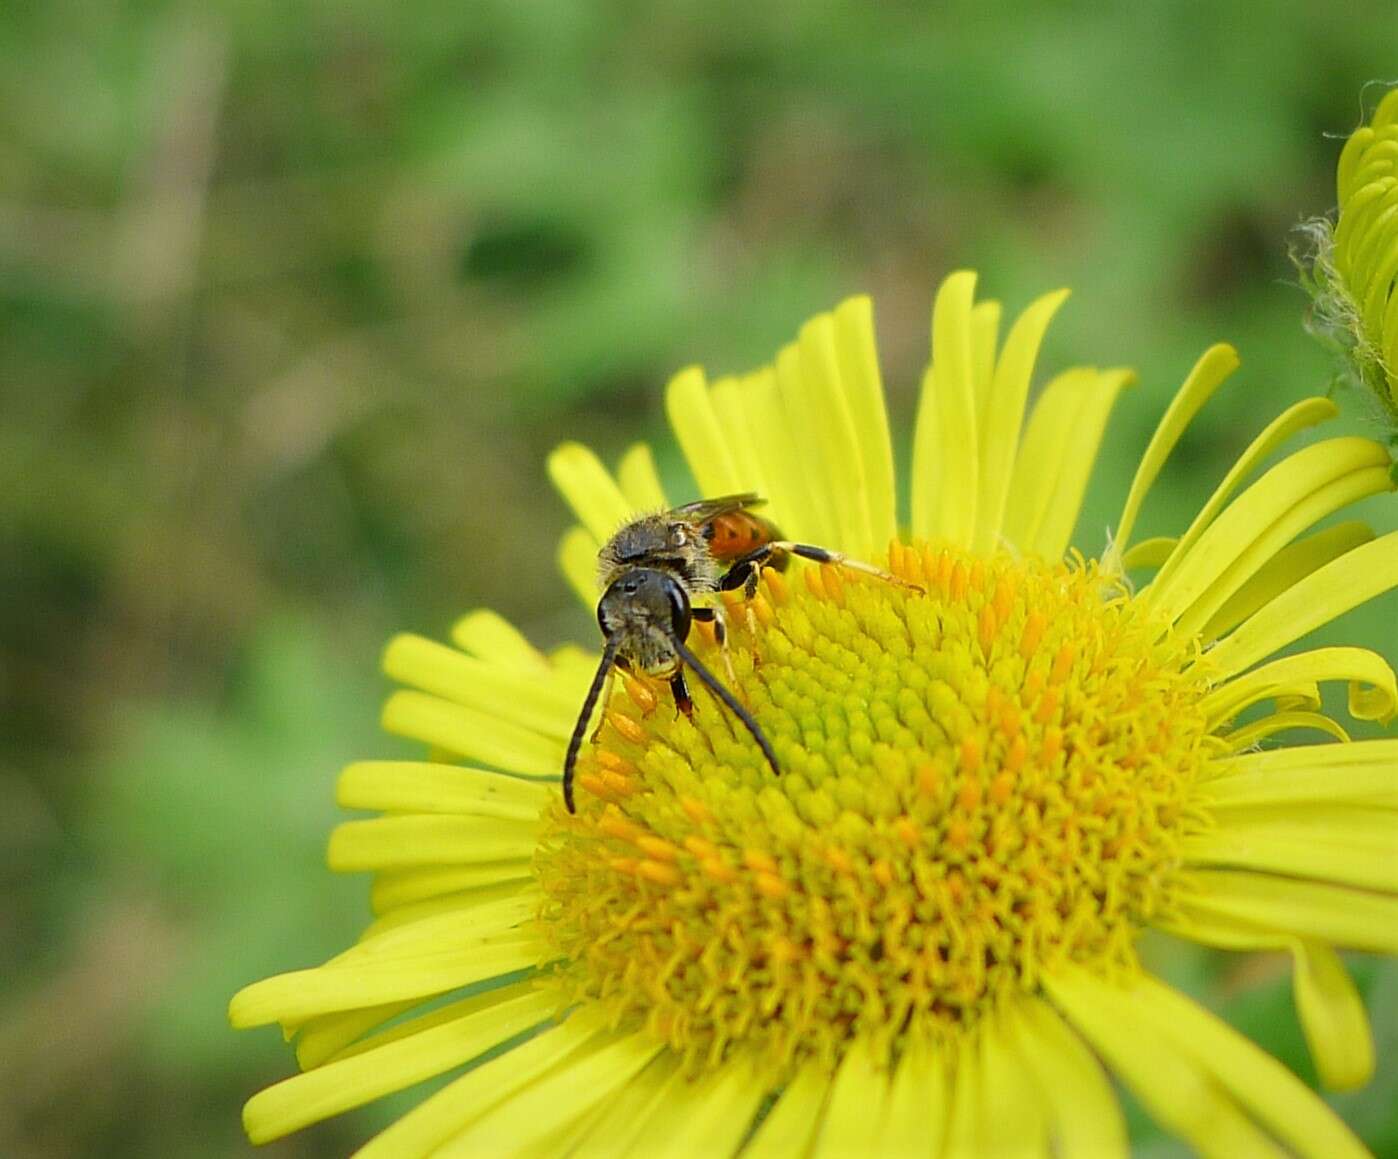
296, 297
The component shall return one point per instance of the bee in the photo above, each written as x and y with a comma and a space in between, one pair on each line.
650, 573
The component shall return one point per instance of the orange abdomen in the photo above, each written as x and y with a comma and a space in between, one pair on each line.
739, 532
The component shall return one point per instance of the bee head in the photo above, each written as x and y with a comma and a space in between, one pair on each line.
645, 598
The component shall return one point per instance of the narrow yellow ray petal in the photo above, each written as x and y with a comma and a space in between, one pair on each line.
785, 464
1293, 495
730, 405
501, 916
639, 480
915, 1115
795, 1119
1259, 730
1346, 917
1176, 1088
1373, 686
1149, 552
422, 787
856, 1103
472, 734
475, 1026
630, 1110
1360, 771
547, 706
701, 437
1084, 1115
801, 423
1216, 364
427, 839
1013, 1118
1306, 413
927, 461
465, 1099
1055, 472
1223, 933
859, 369
577, 559
1353, 579
555, 1099
956, 409
303, 994
964, 1120
489, 636
322, 1038
589, 489
709, 1116
395, 888
1351, 856
985, 335
1333, 1017
1002, 416
1270, 1092
835, 430
451, 903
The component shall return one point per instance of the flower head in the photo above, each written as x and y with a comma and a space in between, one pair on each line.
922, 936
1355, 263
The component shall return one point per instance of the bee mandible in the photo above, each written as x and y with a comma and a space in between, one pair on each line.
650, 573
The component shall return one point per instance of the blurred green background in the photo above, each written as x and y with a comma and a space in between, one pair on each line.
296, 297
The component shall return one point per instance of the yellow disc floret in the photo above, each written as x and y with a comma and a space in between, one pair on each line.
976, 782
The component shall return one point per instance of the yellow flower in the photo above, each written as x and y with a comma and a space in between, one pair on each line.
1356, 260
921, 937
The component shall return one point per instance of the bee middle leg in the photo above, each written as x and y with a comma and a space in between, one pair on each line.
719, 619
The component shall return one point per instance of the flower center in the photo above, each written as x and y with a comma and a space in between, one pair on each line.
976, 783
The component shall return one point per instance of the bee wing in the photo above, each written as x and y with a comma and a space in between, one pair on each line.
704, 510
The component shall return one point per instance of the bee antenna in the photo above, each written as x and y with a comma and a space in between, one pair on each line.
609, 650
731, 702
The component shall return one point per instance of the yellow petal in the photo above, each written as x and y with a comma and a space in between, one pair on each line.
555, 1099
1285, 569
577, 559
709, 1116
1333, 1017
639, 480
966, 1117
1295, 494
474, 735
855, 1105
1363, 852
1250, 735
589, 489
1002, 415
322, 1038
1060, 449
471, 1028
785, 464
427, 839
1373, 688
1149, 552
467, 1098
1012, 1113
422, 787
448, 904
1365, 770
842, 461
1179, 1090
915, 1115
927, 462
402, 887
1216, 364
795, 1118
1084, 1115
1353, 579
1352, 918
1270, 1092
955, 403
700, 435
489, 636
1306, 413
746, 442
631, 1110
303, 994
802, 427
859, 370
